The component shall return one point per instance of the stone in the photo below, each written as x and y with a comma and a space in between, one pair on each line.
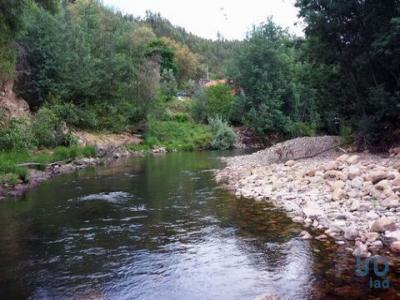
335, 174
350, 234
371, 236
391, 202
357, 183
338, 194
332, 165
375, 246
377, 176
361, 250
342, 158
383, 185
353, 159
298, 219
339, 184
372, 215
311, 173
355, 205
382, 224
353, 172
290, 163
395, 247
394, 235
321, 237
304, 235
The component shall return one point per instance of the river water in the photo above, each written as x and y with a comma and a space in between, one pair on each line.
159, 227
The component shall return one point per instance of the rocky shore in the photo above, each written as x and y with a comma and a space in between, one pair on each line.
350, 198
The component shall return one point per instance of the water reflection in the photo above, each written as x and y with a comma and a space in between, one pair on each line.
155, 228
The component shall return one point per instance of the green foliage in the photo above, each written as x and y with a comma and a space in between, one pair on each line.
17, 136
219, 100
199, 106
213, 54
47, 128
361, 42
168, 85
223, 136
177, 135
11, 173
213, 101
263, 69
159, 50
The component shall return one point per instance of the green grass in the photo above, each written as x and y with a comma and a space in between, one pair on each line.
173, 135
11, 173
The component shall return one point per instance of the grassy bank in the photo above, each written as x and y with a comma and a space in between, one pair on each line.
183, 136
11, 171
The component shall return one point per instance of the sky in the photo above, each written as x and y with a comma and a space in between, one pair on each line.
232, 18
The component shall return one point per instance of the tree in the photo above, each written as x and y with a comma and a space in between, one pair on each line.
361, 38
187, 62
262, 69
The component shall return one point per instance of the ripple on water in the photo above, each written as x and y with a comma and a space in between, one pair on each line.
113, 197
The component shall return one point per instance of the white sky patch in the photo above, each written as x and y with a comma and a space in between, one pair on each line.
232, 18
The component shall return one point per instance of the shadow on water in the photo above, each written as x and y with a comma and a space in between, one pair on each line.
160, 228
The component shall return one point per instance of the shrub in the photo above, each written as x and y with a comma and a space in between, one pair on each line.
220, 99
47, 128
176, 135
17, 136
223, 135
199, 106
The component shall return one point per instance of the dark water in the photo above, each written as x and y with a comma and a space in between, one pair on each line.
160, 228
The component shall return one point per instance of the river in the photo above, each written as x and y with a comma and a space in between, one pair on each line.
158, 227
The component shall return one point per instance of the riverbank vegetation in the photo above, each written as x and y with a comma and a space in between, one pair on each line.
83, 66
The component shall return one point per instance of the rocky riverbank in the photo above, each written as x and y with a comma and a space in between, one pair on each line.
347, 197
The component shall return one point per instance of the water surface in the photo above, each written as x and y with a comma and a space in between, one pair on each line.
160, 228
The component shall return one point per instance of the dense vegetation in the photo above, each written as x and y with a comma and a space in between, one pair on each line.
347, 66
81, 65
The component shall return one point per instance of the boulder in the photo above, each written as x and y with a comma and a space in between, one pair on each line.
353, 172
335, 174
394, 235
371, 236
353, 159
377, 176
350, 234
391, 202
342, 158
332, 165
298, 219
361, 250
357, 183
321, 237
383, 224
290, 163
304, 235
375, 246
311, 173
395, 247
338, 194
383, 186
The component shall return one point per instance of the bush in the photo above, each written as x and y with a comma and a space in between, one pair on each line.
176, 135
224, 136
238, 110
215, 100
220, 99
199, 106
47, 129
17, 135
